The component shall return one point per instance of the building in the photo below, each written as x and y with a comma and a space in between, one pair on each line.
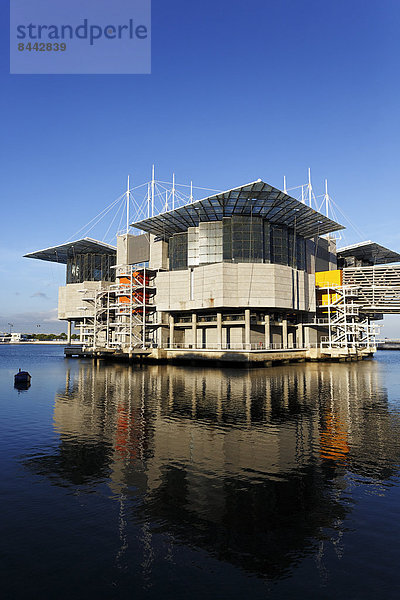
17, 338
238, 275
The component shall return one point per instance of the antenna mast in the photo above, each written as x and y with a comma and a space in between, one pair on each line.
152, 192
326, 198
173, 191
309, 188
127, 208
284, 184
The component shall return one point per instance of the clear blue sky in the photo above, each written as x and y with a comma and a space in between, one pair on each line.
238, 90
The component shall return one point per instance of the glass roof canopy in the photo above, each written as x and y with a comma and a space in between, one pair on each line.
257, 199
61, 253
369, 251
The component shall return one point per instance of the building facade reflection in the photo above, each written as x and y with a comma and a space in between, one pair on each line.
248, 465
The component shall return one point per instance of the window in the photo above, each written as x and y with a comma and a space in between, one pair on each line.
178, 252
279, 245
90, 267
243, 239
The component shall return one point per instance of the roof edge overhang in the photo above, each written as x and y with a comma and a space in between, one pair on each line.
369, 250
61, 253
252, 199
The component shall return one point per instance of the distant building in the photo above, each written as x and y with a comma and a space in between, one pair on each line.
18, 337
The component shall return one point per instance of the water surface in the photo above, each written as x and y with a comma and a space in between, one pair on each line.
174, 482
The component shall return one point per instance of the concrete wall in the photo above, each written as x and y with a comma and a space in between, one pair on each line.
133, 249
158, 254
70, 299
237, 286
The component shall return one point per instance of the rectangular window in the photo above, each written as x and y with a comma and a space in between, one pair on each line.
301, 253
247, 239
267, 242
178, 252
279, 245
90, 267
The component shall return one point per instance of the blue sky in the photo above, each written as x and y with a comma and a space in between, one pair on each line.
238, 90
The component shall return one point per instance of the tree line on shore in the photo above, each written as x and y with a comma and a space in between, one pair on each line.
46, 337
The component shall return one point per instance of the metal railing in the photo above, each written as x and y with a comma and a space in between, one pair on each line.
234, 346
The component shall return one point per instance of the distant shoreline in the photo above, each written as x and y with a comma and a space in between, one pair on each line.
37, 342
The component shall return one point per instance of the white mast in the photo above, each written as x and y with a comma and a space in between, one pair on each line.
127, 208
173, 191
191, 191
148, 200
152, 192
284, 184
326, 198
309, 188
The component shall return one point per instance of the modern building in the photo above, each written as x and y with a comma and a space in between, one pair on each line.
239, 275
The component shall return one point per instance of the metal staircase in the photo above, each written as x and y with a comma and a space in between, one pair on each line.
347, 327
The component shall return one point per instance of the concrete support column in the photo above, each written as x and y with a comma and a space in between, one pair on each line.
300, 335
247, 328
171, 330
69, 332
267, 331
194, 330
159, 333
219, 330
284, 334
307, 337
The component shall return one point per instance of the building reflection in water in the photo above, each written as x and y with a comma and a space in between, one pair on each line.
247, 465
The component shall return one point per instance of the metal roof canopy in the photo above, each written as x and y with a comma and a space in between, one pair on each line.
257, 199
369, 251
61, 253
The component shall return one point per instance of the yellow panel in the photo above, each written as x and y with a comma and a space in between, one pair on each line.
328, 299
327, 278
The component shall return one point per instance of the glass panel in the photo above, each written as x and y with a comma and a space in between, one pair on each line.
279, 245
178, 252
267, 242
90, 267
247, 239
301, 253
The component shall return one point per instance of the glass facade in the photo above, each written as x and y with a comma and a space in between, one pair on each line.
90, 267
210, 242
243, 239
238, 239
178, 252
279, 245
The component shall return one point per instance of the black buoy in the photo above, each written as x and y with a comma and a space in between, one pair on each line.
22, 378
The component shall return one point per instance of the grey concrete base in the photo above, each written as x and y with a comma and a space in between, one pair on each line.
220, 357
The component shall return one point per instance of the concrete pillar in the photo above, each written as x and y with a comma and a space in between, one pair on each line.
247, 328
194, 330
219, 330
69, 332
160, 334
284, 334
171, 330
267, 331
300, 335
306, 334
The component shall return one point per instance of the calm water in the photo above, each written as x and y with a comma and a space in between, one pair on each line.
177, 482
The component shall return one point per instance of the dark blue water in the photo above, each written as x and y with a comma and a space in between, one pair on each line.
176, 482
